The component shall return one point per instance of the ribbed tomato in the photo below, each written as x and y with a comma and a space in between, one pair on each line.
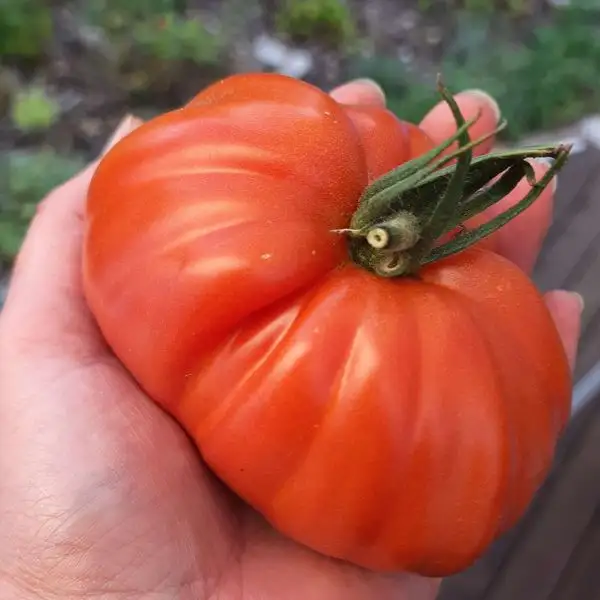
398, 423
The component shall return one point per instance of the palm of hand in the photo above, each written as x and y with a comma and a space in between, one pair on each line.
125, 506
102, 493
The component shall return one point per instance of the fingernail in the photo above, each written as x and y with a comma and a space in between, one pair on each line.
372, 84
580, 300
544, 160
489, 100
127, 124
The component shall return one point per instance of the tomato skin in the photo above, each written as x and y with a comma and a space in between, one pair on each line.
398, 424
387, 141
419, 141
224, 205
383, 136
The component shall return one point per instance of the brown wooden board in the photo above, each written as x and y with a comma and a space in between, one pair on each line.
570, 258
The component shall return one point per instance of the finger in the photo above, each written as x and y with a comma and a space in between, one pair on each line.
566, 309
439, 123
360, 91
521, 239
45, 301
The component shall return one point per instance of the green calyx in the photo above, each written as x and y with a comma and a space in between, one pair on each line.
401, 216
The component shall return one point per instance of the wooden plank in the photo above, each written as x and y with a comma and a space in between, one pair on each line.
570, 258
580, 578
575, 223
563, 258
534, 566
574, 182
585, 279
589, 350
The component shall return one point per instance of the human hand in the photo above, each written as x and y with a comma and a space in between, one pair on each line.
102, 494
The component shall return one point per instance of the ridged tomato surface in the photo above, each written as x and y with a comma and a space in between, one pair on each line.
398, 424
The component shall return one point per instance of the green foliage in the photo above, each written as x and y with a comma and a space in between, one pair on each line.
172, 38
548, 81
25, 27
155, 29
33, 110
119, 15
154, 43
330, 20
512, 7
25, 178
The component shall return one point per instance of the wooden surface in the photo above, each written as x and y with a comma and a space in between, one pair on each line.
570, 258
554, 552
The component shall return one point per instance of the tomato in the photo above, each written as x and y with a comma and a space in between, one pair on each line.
387, 142
397, 423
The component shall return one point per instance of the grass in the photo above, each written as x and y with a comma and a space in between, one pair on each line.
25, 28
326, 20
117, 16
171, 38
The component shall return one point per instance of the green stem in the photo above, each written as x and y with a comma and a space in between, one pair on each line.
484, 198
402, 179
448, 205
402, 215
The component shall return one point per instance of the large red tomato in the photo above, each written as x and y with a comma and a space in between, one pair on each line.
395, 423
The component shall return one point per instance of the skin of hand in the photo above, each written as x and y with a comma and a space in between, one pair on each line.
102, 495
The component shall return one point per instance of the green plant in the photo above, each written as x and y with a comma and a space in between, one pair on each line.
547, 80
512, 7
26, 177
331, 20
519, 7
174, 38
33, 109
120, 15
25, 27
